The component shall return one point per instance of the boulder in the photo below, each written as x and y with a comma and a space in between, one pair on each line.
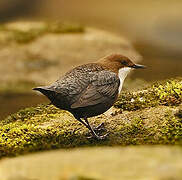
149, 116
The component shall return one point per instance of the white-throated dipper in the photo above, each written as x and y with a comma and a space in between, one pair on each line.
90, 89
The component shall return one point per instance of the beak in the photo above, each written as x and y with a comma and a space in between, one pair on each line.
138, 66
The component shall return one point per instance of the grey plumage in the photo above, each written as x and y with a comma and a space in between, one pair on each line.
84, 86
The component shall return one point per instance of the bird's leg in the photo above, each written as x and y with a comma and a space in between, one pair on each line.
93, 132
85, 124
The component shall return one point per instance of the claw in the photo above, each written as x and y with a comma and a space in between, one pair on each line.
100, 127
104, 137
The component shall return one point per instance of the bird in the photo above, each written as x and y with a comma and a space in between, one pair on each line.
90, 89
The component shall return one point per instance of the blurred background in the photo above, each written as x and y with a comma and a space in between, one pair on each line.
42, 39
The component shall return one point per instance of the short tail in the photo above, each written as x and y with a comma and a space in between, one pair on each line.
37, 88
44, 90
40, 89
50, 94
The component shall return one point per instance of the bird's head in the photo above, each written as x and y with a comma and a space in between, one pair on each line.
115, 62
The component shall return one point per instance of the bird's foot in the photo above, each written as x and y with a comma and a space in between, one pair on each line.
96, 132
97, 137
100, 128
104, 137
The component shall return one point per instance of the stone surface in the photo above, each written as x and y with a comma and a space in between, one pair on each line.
109, 163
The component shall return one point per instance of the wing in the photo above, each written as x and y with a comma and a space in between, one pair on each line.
76, 80
103, 87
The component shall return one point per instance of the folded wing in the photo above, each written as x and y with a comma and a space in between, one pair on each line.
103, 87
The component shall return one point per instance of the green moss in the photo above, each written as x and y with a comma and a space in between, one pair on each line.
24, 37
171, 130
164, 93
57, 27
21, 36
170, 93
46, 127
25, 131
156, 129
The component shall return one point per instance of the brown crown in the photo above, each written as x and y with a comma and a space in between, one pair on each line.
114, 62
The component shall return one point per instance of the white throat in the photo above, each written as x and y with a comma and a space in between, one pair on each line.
123, 72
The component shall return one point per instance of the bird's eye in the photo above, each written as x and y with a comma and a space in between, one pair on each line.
124, 62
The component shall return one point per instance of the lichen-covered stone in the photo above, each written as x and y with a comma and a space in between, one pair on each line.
46, 127
165, 93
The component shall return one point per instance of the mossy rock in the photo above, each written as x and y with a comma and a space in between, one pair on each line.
160, 93
150, 116
25, 32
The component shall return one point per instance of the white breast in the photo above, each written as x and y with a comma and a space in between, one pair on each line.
123, 72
